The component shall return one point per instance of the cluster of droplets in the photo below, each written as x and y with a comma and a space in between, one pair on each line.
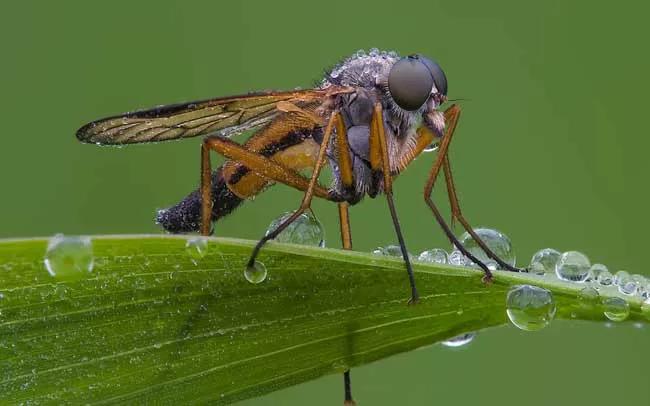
574, 266
370, 60
495, 240
532, 308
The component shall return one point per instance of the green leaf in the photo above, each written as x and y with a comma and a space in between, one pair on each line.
149, 325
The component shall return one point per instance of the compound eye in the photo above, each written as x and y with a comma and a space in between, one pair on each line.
438, 75
410, 82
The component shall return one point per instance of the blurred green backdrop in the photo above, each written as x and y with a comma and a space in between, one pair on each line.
551, 150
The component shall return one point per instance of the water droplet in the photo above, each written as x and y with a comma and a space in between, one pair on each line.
69, 257
529, 307
544, 261
390, 251
573, 266
641, 285
616, 308
457, 258
196, 248
645, 309
498, 242
305, 230
256, 273
459, 340
596, 270
588, 296
436, 256
625, 283
432, 147
373, 52
605, 278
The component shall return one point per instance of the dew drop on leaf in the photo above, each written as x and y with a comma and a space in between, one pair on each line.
69, 257
573, 266
544, 261
196, 248
459, 340
530, 308
305, 230
255, 274
435, 255
496, 241
625, 283
616, 308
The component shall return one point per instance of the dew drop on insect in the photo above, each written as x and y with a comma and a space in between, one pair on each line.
69, 258
435, 255
457, 258
544, 261
496, 241
596, 270
573, 266
616, 308
256, 273
459, 340
305, 230
432, 147
196, 248
625, 283
530, 308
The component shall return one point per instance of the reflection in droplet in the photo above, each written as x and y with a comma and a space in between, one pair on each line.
495, 240
305, 230
588, 297
390, 251
459, 340
605, 278
544, 261
530, 308
457, 258
196, 248
625, 283
69, 257
256, 273
596, 270
573, 266
616, 308
435, 255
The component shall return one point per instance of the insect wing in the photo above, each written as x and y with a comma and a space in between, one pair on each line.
225, 116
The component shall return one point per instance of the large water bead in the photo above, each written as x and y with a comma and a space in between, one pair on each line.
573, 266
495, 240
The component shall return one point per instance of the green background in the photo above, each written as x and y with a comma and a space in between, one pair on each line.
551, 150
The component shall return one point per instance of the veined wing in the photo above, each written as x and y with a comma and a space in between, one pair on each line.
225, 116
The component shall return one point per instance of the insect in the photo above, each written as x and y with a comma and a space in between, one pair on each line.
371, 116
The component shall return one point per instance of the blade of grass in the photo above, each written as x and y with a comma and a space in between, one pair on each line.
150, 325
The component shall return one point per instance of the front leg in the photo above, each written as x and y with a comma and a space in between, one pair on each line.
380, 164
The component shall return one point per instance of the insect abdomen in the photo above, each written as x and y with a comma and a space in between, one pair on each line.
185, 216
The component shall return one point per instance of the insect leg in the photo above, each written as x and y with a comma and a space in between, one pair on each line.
256, 162
379, 161
451, 117
346, 240
457, 214
310, 191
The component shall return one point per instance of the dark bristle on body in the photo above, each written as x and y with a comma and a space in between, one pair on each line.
185, 216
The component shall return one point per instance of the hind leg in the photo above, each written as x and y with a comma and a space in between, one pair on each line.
256, 162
